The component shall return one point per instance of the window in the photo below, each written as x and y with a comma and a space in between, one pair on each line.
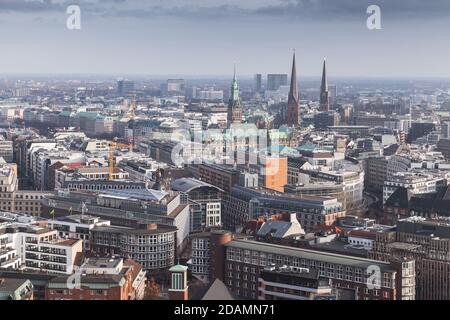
177, 281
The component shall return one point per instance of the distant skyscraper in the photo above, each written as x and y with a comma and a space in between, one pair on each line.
332, 89
234, 105
124, 87
258, 82
292, 116
275, 81
324, 94
175, 85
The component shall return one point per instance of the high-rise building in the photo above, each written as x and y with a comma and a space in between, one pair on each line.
275, 81
323, 120
175, 85
332, 89
292, 116
234, 104
324, 93
419, 129
6, 150
124, 87
258, 82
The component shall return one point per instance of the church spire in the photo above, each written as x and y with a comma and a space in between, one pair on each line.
234, 95
293, 90
324, 95
234, 105
292, 116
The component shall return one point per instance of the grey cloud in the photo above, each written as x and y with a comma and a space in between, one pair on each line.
190, 9
12, 6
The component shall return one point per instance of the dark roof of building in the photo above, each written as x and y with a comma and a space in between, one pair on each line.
391, 149
400, 198
340, 247
11, 284
216, 290
88, 279
438, 201
31, 275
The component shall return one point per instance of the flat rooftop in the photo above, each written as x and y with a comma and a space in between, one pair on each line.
320, 256
102, 263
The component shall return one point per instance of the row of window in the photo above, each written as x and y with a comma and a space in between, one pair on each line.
325, 269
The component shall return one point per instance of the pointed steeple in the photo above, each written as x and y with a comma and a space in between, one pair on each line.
324, 95
234, 105
293, 90
234, 95
324, 86
292, 115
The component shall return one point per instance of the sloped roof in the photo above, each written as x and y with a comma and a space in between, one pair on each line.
141, 194
279, 229
218, 291
188, 184
400, 198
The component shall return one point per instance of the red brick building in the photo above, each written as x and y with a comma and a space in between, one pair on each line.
100, 279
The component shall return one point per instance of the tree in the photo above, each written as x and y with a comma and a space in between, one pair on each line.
152, 291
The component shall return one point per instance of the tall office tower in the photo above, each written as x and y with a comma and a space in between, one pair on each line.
124, 87
324, 94
175, 85
275, 81
258, 82
332, 89
445, 129
292, 116
234, 105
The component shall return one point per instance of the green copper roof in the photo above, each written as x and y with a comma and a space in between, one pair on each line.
307, 147
234, 96
178, 268
92, 115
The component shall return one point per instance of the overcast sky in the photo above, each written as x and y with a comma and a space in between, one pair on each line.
206, 37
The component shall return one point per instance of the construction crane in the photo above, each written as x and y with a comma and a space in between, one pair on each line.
111, 158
